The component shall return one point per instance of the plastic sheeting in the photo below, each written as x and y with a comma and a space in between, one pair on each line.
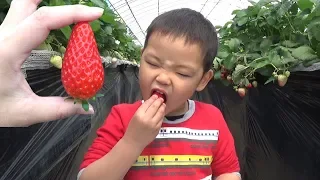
276, 130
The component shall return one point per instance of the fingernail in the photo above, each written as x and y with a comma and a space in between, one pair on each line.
90, 110
97, 10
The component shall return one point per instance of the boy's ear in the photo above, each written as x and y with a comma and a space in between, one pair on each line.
142, 50
205, 79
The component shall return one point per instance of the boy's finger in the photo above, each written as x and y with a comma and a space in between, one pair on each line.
146, 104
154, 107
158, 117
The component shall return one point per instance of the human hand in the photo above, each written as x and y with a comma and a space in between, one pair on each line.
146, 122
24, 29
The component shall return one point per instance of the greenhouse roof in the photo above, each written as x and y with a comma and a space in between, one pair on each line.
138, 14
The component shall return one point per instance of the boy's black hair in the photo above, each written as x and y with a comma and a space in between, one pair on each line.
191, 25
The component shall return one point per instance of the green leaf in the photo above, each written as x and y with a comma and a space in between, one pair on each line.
238, 72
286, 56
315, 12
290, 44
108, 30
271, 20
5, 3
305, 4
284, 8
264, 2
245, 81
217, 75
2, 16
310, 63
318, 50
223, 51
259, 63
66, 31
95, 25
252, 2
266, 70
275, 59
242, 21
56, 2
271, 79
304, 53
263, 12
294, 9
229, 62
241, 13
85, 105
313, 28
265, 44
253, 55
108, 17
99, 3
234, 44
216, 63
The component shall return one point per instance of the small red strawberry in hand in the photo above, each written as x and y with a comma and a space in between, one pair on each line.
82, 70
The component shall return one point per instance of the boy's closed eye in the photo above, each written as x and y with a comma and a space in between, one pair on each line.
152, 64
183, 75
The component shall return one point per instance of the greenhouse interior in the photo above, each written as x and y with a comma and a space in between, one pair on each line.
267, 65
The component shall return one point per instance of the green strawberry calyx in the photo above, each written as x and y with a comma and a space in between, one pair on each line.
84, 102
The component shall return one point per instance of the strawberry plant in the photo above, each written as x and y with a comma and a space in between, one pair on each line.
269, 38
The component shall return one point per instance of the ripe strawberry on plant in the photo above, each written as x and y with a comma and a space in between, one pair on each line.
82, 72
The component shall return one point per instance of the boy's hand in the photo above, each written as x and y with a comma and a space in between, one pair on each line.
146, 122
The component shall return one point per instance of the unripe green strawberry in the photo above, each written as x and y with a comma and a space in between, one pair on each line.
287, 73
255, 84
56, 61
62, 49
114, 60
229, 78
282, 80
82, 70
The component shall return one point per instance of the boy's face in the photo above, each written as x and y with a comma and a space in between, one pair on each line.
174, 68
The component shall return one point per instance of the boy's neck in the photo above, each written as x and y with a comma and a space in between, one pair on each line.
180, 111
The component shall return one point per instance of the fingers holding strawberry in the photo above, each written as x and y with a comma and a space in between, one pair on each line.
21, 32
146, 122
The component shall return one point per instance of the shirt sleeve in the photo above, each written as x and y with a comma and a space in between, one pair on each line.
107, 137
225, 159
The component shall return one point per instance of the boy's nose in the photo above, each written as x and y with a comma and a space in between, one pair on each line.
164, 79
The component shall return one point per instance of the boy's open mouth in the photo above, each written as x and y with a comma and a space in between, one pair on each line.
160, 94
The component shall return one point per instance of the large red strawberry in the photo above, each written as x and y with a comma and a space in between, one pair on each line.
82, 72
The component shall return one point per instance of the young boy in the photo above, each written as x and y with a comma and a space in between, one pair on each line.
167, 136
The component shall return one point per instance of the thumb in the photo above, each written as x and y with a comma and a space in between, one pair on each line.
55, 108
